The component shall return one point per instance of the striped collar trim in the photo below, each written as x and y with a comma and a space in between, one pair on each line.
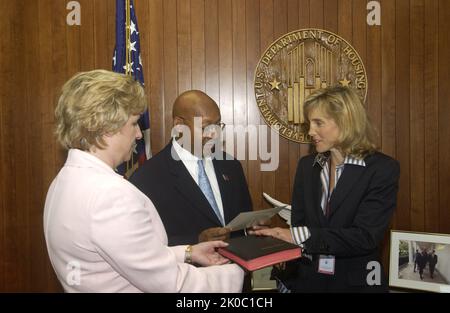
322, 160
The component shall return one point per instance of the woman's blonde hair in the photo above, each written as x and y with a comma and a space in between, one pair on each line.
96, 103
344, 106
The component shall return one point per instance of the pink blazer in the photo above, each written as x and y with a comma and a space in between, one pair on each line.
104, 235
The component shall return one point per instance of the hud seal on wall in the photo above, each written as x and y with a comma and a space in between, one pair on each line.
297, 64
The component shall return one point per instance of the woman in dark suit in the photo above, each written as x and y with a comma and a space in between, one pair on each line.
343, 199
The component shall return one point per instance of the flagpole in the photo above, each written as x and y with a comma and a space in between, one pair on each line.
127, 37
128, 55
127, 60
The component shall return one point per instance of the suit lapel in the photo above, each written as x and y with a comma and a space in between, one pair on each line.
317, 194
348, 179
223, 179
188, 188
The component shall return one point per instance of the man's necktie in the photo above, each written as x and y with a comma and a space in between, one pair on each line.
205, 186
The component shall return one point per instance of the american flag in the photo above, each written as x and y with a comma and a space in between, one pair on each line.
127, 59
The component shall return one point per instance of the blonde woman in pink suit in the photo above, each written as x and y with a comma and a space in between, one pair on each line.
102, 233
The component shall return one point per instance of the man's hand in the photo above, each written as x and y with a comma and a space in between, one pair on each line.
215, 233
205, 254
260, 225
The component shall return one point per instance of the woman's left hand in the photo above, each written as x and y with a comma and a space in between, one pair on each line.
204, 253
277, 232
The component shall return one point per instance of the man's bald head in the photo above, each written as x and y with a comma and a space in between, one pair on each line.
194, 103
199, 112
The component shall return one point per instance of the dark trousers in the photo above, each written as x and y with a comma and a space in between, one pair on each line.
432, 271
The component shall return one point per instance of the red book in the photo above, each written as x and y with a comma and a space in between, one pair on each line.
256, 252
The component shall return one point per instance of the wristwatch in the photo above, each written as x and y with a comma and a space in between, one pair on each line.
188, 255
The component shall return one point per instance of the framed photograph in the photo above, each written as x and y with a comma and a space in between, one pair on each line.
261, 280
420, 261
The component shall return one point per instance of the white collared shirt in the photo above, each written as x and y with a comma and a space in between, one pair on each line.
323, 161
190, 162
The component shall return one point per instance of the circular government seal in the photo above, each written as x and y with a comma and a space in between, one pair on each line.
297, 64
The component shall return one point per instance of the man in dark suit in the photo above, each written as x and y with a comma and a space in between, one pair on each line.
433, 261
196, 191
416, 259
423, 260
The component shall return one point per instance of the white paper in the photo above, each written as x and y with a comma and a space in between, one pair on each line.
248, 219
285, 213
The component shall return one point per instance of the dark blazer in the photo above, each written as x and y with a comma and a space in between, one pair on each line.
433, 260
183, 208
361, 209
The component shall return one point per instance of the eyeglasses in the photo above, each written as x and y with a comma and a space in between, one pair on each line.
221, 125
208, 127
212, 129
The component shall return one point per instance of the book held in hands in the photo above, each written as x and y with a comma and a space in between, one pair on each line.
256, 252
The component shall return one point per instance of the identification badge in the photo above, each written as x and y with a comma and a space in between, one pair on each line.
326, 264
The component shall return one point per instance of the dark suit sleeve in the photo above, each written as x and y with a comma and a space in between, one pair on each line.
187, 239
246, 198
138, 180
370, 222
243, 200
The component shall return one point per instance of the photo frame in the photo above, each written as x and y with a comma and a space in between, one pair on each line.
420, 261
261, 280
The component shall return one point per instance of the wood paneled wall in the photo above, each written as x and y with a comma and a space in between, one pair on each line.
214, 45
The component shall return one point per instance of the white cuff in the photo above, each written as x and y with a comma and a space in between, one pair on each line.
300, 234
